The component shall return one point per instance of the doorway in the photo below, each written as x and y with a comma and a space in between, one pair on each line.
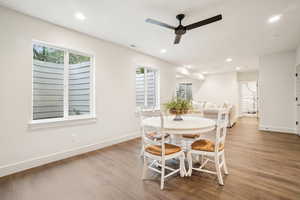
184, 91
248, 98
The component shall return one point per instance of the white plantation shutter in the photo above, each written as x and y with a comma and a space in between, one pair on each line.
140, 88
146, 88
79, 88
151, 88
48, 90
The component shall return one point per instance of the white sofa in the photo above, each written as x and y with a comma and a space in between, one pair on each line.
210, 110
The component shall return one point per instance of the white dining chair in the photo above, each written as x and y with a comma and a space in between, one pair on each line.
158, 152
211, 151
151, 133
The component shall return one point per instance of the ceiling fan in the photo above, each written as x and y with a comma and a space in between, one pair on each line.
180, 29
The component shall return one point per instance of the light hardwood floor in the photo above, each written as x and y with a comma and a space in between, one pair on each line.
262, 165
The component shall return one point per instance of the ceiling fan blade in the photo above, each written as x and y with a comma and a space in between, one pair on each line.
177, 39
204, 22
153, 21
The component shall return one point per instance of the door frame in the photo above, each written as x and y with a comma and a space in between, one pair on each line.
297, 99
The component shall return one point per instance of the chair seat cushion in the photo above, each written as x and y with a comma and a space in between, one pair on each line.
190, 136
156, 136
156, 149
205, 145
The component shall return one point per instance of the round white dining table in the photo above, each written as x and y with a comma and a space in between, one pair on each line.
189, 124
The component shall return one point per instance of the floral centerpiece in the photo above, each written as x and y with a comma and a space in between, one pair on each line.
178, 107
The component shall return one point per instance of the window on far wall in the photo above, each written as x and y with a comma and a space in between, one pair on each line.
146, 88
184, 91
62, 83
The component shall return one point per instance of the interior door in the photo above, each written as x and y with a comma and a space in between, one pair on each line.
298, 98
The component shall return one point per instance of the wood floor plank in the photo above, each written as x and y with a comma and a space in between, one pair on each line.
262, 165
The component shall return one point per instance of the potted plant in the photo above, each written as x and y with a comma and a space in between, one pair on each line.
178, 107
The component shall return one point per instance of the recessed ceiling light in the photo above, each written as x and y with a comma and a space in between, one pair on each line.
188, 66
228, 59
274, 18
80, 16
238, 68
199, 76
204, 72
163, 51
183, 71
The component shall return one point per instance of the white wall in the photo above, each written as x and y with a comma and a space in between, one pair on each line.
298, 56
216, 88
22, 147
277, 92
248, 76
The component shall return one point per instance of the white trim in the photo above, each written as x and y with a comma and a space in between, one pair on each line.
296, 102
278, 129
38, 161
157, 106
58, 122
146, 87
62, 47
93, 86
66, 84
248, 115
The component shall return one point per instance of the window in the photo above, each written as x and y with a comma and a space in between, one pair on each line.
184, 91
146, 88
62, 83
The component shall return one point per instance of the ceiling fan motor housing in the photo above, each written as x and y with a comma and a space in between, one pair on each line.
180, 17
180, 30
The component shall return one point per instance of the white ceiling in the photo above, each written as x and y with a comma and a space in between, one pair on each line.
243, 34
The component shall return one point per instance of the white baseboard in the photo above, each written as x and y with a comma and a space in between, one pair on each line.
35, 162
248, 115
277, 129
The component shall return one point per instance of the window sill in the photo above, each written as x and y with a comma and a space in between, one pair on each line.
61, 122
